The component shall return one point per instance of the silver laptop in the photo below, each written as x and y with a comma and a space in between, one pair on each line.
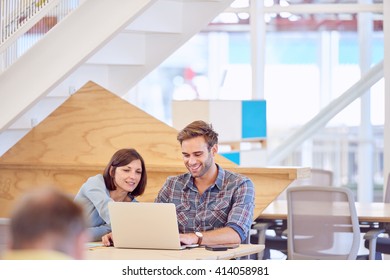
145, 225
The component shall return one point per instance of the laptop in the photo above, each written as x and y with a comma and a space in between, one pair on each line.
145, 225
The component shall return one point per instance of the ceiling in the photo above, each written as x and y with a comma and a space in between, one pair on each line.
237, 17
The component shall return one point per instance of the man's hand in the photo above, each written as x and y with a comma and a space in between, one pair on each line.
225, 235
188, 238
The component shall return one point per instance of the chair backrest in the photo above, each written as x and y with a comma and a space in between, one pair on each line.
386, 199
318, 177
387, 191
322, 223
4, 234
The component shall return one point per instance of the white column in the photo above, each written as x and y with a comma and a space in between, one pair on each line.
307, 153
218, 62
386, 69
365, 148
325, 65
258, 31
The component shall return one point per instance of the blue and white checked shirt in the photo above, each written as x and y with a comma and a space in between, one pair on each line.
227, 203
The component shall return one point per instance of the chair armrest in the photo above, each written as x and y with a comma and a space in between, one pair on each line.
373, 234
261, 227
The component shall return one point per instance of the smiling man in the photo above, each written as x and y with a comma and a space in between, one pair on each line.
213, 205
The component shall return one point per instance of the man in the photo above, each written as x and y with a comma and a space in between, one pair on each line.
47, 224
213, 205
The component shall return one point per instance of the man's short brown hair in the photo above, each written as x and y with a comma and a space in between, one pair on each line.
196, 129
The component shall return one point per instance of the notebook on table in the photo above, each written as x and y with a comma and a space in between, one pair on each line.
145, 225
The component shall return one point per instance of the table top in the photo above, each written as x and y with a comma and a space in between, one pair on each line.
367, 212
96, 251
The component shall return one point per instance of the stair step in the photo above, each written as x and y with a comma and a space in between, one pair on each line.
125, 49
115, 51
162, 17
9, 137
37, 113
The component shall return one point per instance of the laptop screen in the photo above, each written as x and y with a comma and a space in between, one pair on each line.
145, 225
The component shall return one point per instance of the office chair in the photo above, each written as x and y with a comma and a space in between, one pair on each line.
322, 224
276, 238
4, 234
375, 241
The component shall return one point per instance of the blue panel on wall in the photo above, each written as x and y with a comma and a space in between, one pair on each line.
254, 119
234, 157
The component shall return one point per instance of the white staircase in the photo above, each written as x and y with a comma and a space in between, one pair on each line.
114, 43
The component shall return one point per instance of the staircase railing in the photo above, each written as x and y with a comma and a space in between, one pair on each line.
24, 22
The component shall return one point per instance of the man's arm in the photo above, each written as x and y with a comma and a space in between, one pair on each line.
225, 235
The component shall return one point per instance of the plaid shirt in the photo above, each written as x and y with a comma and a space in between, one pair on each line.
227, 203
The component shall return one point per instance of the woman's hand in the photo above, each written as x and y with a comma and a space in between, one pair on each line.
108, 240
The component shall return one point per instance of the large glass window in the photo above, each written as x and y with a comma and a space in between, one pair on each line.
310, 59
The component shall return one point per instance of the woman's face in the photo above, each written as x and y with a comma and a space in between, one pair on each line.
128, 176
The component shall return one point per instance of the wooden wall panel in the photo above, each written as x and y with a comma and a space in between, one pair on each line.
78, 139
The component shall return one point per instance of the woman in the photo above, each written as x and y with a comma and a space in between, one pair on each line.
124, 179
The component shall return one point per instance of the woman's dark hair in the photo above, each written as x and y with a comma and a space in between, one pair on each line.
121, 158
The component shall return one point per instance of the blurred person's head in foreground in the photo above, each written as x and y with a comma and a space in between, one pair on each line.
47, 224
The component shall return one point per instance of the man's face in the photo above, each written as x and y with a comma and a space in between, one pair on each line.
197, 158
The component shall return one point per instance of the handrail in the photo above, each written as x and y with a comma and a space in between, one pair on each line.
20, 16
17, 19
326, 114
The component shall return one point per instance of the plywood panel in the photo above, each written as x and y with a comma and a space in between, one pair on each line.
78, 139
16, 179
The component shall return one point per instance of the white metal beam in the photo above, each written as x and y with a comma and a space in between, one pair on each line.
325, 8
315, 9
325, 115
